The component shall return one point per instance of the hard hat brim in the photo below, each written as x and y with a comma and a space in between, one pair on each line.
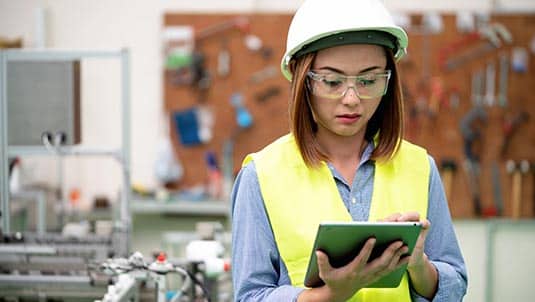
396, 33
349, 37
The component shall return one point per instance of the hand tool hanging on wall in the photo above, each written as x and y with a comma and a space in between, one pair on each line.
465, 21
437, 96
449, 167
520, 60
223, 59
510, 127
450, 49
243, 118
496, 192
412, 126
215, 181
477, 88
454, 98
503, 81
471, 125
517, 169
266, 94
242, 24
263, 74
494, 35
490, 78
195, 72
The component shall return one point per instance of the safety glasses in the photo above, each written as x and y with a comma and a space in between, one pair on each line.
332, 85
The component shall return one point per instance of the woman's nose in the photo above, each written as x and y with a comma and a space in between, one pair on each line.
351, 96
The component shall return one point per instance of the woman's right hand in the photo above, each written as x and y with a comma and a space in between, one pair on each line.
343, 282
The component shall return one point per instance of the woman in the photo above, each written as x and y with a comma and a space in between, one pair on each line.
343, 160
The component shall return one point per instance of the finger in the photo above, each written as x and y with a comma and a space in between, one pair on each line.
362, 258
391, 217
323, 262
392, 249
404, 260
398, 256
409, 216
425, 228
426, 224
383, 262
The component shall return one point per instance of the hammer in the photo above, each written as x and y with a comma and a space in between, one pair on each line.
517, 170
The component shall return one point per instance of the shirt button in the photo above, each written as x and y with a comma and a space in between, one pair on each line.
353, 200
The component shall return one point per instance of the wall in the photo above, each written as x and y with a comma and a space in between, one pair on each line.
136, 24
498, 257
101, 25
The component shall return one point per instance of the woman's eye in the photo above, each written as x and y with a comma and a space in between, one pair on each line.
366, 82
332, 82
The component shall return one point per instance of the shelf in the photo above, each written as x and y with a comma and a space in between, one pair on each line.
55, 54
184, 207
65, 150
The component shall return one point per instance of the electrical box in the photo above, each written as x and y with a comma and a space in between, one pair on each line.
43, 96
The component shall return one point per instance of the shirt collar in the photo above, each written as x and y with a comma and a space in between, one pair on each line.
365, 157
367, 153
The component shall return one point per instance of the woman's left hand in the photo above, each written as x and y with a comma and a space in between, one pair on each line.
423, 274
418, 258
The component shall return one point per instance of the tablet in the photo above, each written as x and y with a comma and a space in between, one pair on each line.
342, 242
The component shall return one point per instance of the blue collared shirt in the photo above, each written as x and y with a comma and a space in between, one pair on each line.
258, 272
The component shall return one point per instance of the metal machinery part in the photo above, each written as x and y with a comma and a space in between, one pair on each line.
51, 266
134, 272
134, 276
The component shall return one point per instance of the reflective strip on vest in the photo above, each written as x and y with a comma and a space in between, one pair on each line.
298, 199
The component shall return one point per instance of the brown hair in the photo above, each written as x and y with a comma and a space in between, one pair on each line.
387, 119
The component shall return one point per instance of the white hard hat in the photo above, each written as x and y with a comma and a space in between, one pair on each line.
319, 24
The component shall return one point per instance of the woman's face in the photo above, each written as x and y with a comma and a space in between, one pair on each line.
349, 114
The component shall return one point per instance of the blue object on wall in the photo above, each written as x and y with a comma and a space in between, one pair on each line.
187, 127
243, 117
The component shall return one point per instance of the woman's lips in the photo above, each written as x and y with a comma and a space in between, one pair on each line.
348, 118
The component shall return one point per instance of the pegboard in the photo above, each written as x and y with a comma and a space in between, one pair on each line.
439, 130
433, 115
270, 114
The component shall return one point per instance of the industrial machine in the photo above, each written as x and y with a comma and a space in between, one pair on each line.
80, 262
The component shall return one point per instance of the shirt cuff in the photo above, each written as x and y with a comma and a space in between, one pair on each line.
451, 287
298, 291
281, 293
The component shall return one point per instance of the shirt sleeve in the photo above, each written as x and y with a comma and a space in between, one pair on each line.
258, 273
441, 245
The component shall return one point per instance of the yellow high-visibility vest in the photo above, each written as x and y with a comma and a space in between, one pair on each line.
298, 199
